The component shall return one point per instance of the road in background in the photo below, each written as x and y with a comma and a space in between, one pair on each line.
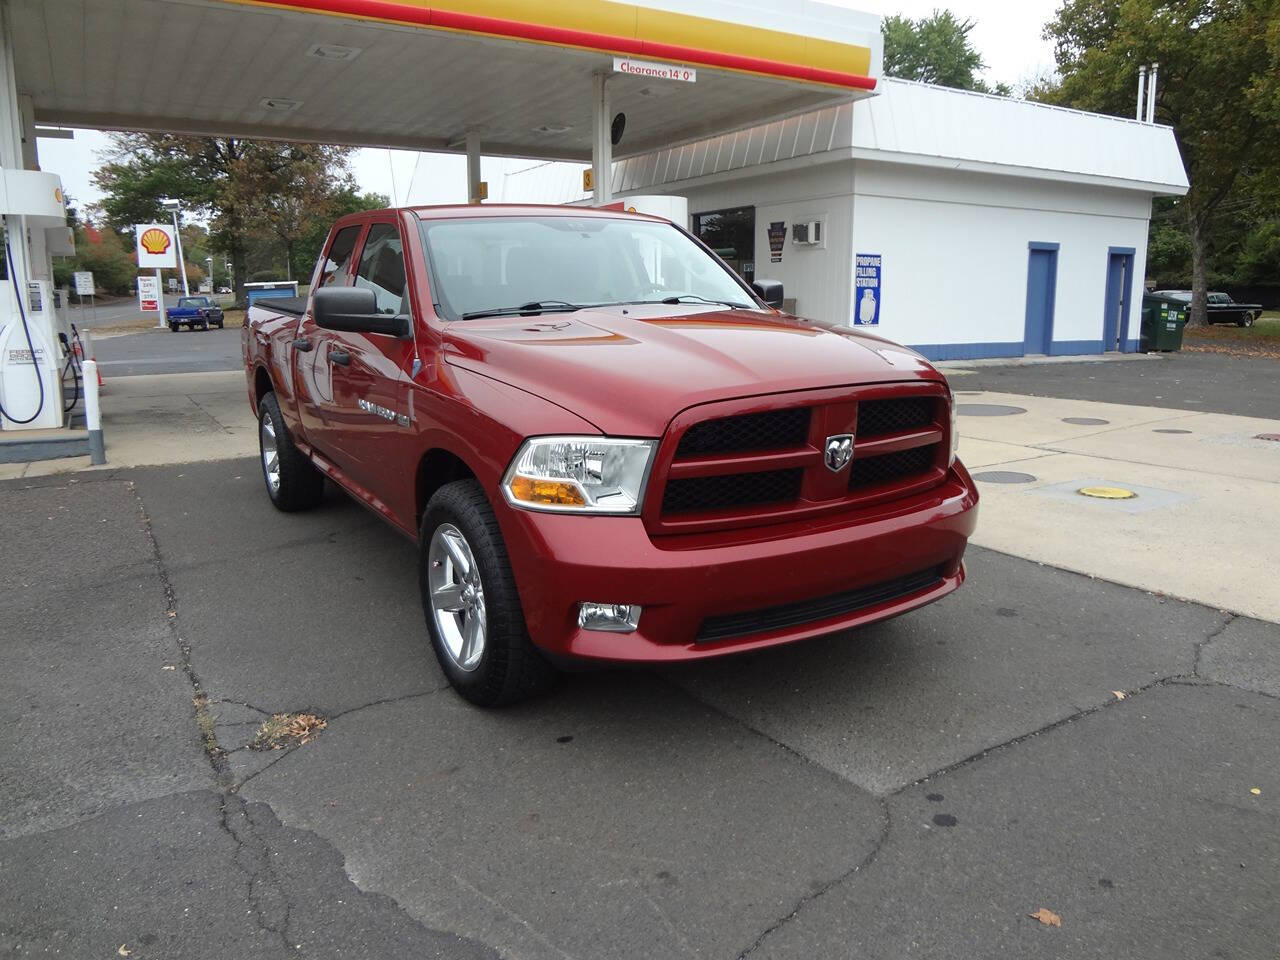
113, 311
1203, 382
162, 351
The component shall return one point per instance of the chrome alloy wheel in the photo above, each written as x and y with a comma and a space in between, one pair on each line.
270, 455
457, 596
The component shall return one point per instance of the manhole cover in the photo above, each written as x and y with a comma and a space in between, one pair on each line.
987, 410
1004, 476
1170, 430
1107, 493
1268, 436
1085, 421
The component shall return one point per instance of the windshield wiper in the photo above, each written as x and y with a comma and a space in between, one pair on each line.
693, 297
532, 307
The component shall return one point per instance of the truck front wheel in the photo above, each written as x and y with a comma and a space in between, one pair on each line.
469, 596
293, 482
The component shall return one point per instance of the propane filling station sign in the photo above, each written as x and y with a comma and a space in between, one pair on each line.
866, 289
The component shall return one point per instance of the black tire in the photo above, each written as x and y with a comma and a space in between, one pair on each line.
204, 324
300, 485
510, 668
1245, 321
220, 323
174, 327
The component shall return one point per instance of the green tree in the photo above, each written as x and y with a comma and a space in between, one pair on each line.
243, 188
1219, 88
934, 49
348, 199
103, 252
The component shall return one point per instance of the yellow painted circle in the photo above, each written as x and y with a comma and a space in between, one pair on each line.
1107, 493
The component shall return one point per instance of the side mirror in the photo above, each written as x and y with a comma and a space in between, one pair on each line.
770, 291
355, 310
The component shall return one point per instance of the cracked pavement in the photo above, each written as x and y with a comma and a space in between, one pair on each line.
917, 788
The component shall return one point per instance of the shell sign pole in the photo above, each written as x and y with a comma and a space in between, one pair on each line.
157, 250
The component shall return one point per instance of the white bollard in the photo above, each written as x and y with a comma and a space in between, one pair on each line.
93, 413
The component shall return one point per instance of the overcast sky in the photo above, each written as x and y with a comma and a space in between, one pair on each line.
1007, 34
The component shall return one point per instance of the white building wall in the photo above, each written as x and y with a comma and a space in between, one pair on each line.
955, 249
816, 277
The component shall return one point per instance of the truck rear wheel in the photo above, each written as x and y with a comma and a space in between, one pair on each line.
469, 597
293, 482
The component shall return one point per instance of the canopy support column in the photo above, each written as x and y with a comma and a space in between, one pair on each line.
473, 167
601, 142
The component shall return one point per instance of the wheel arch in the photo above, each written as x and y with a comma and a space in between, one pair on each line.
262, 385
437, 466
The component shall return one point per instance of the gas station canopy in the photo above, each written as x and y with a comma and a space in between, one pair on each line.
424, 74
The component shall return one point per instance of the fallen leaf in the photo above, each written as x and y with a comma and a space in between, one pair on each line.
170, 667
123, 952
1120, 694
1047, 917
1256, 791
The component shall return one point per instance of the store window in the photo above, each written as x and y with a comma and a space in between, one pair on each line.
732, 235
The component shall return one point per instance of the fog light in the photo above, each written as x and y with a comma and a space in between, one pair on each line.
611, 617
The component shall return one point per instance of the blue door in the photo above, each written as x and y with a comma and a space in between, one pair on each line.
1119, 285
1042, 281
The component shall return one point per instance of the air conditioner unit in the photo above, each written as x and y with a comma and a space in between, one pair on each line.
807, 233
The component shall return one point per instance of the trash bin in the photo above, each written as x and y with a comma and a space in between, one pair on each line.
1163, 319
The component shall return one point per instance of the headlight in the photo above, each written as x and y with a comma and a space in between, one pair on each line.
955, 433
579, 474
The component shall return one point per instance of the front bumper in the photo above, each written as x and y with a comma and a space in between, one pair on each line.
561, 560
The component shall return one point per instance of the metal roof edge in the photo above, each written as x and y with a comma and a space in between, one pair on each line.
1009, 169
935, 89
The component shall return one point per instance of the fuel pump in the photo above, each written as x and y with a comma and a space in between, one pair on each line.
31, 202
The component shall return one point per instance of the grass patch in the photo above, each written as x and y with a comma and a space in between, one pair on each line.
1260, 340
287, 729
1265, 328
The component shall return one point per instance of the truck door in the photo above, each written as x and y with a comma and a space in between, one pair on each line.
370, 375
312, 369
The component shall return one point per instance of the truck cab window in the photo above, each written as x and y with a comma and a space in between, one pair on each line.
382, 268
336, 269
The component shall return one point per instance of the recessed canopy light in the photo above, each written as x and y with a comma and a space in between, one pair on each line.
279, 104
333, 51
552, 129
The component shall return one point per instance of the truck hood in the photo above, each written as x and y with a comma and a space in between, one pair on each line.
629, 370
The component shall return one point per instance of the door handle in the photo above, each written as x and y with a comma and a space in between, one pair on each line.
340, 357
302, 345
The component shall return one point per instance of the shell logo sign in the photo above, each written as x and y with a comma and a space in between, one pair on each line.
154, 241
156, 248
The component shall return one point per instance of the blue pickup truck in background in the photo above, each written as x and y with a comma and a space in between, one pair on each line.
194, 312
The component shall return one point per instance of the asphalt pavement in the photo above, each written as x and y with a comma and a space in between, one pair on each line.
1039, 740
1205, 382
163, 351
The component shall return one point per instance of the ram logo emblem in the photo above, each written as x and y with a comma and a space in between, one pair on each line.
838, 452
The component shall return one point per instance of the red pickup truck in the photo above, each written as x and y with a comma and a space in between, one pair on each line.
605, 444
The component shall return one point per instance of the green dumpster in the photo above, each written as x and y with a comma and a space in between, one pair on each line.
1162, 321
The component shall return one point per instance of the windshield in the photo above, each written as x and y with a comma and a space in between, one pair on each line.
193, 301
497, 265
